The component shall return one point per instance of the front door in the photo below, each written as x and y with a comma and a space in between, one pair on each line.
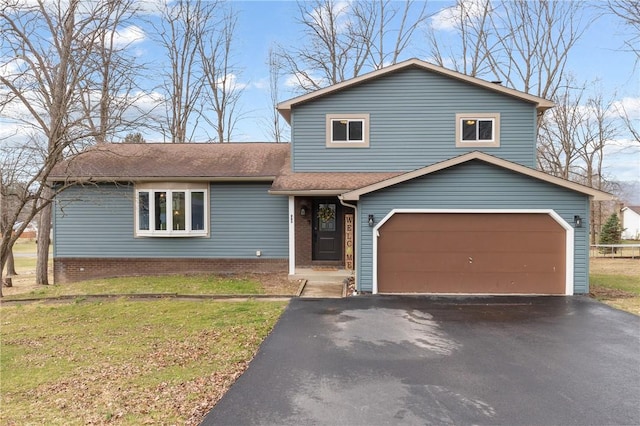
327, 226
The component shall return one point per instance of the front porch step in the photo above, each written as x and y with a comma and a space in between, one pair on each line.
322, 283
322, 276
317, 289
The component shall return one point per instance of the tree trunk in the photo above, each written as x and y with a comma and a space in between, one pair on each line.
1, 282
11, 265
44, 229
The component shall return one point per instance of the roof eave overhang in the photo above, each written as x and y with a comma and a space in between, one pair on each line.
309, 192
107, 179
477, 155
284, 108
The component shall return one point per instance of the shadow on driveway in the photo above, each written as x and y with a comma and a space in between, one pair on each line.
437, 360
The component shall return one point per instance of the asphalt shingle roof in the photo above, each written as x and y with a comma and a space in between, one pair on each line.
189, 160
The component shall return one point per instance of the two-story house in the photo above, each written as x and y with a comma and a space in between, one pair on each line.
418, 178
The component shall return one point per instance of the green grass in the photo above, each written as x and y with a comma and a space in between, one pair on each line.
626, 283
171, 284
25, 263
24, 246
126, 361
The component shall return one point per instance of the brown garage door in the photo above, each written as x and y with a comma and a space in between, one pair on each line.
471, 253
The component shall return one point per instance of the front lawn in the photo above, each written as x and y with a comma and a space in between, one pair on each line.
616, 282
276, 284
124, 361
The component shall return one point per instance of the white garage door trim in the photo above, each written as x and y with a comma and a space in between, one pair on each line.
555, 216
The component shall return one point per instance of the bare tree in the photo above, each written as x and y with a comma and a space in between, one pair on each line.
524, 44
476, 39
109, 96
275, 125
200, 76
559, 135
182, 24
629, 121
572, 141
134, 138
19, 194
330, 54
535, 45
346, 39
600, 128
385, 28
629, 12
221, 91
46, 54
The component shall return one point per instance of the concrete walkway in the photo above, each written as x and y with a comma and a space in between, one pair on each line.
323, 290
323, 283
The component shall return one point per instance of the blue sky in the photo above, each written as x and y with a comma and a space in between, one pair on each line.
597, 59
262, 24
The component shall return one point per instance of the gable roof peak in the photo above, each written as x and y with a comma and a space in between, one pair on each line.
481, 156
284, 108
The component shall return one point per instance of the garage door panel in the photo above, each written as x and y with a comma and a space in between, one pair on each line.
474, 242
396, 262
470, 221
475, 263
494, 283
471, 253
440, 241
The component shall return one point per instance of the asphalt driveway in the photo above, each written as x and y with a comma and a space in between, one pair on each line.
417, 360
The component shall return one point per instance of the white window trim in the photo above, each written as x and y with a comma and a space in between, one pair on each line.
569, 235
169, 188
494, 116
364, 143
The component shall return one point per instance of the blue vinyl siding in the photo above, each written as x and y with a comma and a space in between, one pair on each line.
475, 185
98, 221
412, 124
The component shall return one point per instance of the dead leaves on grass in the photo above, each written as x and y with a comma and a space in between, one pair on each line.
604, 293
107, 394
175, 381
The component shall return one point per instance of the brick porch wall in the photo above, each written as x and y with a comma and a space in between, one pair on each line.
68, 270
303, 232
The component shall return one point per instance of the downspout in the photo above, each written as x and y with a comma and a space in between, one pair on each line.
355, 224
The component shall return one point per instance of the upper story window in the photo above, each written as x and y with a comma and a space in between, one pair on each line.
347, 130
172, 210
478, 130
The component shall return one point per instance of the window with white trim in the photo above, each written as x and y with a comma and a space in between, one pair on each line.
172, 210
347, 130
478, 130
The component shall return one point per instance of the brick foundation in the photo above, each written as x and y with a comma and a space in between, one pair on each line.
68, 270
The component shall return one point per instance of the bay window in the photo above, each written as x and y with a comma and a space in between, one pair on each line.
171, 210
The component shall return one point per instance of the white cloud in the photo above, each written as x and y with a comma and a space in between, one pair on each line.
294, 81
629, 105
262, 84
231, 82
450, 17
128, 36
341, 16
448, 63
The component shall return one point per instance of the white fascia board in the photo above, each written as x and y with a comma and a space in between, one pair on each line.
292, 236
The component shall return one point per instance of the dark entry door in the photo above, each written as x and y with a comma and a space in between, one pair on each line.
327, 226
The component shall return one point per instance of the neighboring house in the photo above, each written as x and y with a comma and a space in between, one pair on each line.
420, 179
631, 222
31, 231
